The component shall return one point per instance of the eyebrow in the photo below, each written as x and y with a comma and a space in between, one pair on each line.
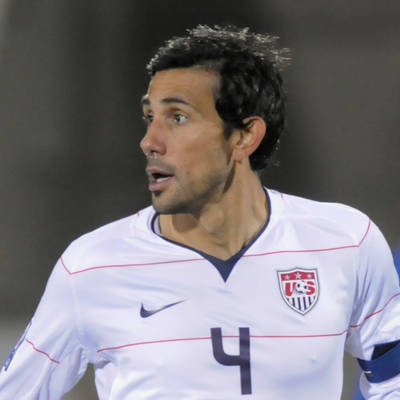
168, 100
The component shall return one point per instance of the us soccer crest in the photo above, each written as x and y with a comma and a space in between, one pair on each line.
299, 288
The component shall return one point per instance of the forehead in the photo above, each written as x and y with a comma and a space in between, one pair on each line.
195, 86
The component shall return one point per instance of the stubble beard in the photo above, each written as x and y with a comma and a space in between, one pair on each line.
168, 207
193, 203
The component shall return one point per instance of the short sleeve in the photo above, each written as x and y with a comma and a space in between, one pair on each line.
387, 390
48, 360
376, 312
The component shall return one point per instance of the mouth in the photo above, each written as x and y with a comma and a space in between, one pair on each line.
158, 179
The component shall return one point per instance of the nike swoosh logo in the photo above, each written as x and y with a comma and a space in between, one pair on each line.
148, 313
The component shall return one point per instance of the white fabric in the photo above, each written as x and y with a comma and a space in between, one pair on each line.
387, 390
90, 312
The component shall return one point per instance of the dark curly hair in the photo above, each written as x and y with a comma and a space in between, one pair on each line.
248, 65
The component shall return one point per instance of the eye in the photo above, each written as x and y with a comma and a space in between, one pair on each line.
180, 118
147, 118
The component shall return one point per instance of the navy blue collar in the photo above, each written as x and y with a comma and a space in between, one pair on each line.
224, 267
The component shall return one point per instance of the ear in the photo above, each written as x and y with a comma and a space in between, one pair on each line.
246, 140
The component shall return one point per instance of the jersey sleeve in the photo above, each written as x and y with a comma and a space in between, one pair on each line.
375, 318
48, 360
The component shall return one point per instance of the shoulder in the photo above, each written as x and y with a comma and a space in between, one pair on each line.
335, 222
108, 243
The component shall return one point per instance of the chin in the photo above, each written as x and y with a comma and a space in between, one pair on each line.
164, 206
169, 209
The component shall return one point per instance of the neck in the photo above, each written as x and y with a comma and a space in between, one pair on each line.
222, 228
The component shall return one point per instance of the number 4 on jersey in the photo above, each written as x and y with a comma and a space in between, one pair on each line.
242, 360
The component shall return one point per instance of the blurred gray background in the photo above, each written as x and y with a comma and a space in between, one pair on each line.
71, 77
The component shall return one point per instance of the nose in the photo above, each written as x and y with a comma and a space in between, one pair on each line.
153, 141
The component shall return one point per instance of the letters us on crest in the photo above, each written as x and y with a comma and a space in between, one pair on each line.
299, 288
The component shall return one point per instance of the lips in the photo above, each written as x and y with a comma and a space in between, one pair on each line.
158, 178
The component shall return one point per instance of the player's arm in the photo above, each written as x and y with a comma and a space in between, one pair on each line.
381, 374
374, 332
48, 360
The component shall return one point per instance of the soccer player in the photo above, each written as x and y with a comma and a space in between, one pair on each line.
222, 289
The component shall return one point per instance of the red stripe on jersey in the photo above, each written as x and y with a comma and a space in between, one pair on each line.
224, 336
156, 341
315, 250
203, 259
298, 336
375, 312
42, 352
366, 233
128, 265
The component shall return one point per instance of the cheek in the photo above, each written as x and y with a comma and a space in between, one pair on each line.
204, 165
205, 154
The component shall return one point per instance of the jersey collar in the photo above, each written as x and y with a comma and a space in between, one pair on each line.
224, 267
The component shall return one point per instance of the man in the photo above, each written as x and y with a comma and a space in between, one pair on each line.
222, 289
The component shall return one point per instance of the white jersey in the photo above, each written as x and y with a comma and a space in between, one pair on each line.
163, 321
